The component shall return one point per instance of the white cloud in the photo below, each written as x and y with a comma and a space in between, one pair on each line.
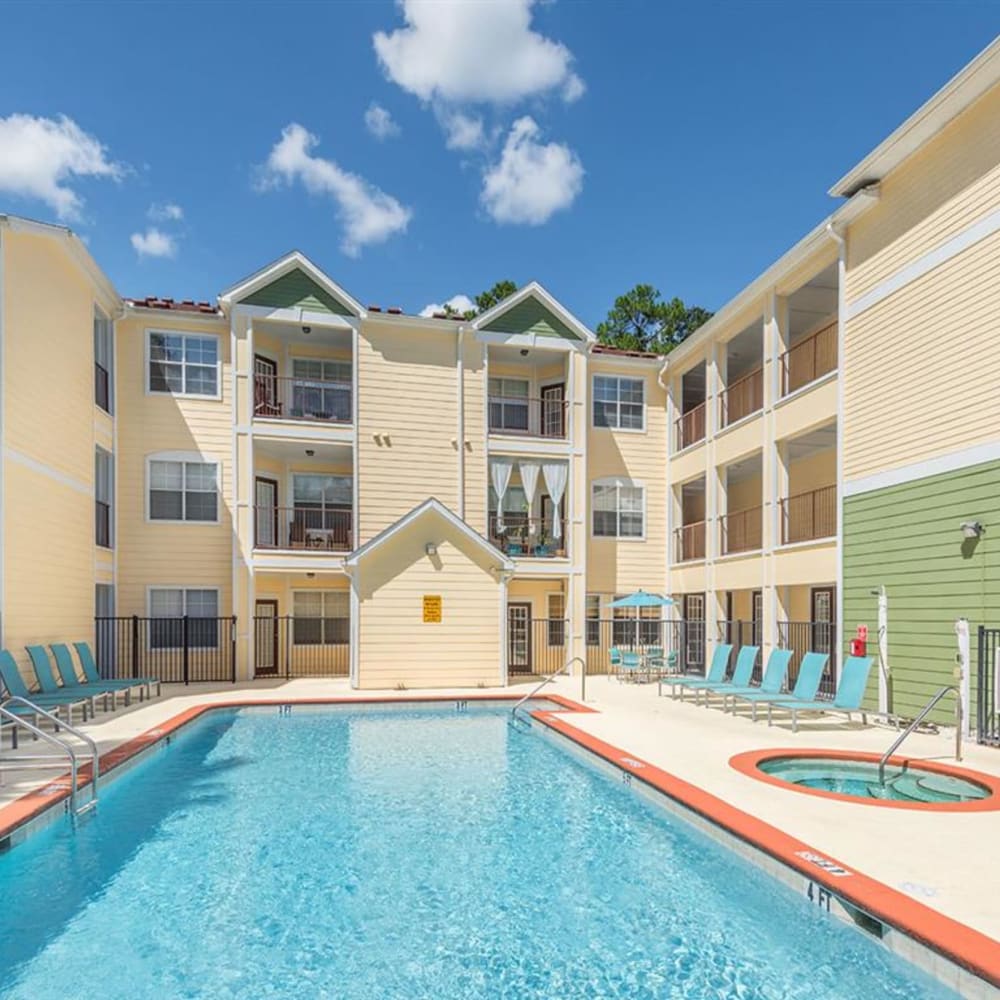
380, 122
457, 52
154, 243
368, 214
460, 303
532, 180
39, 157
462, 131
165, 212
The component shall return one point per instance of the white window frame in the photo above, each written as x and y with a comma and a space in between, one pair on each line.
617, 428
109, 457
589, 600
183, 588
183, 457
149, 333
108, 329
324, 593
619, 482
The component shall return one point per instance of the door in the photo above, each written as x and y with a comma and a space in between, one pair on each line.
519, 638
824, 613
694, 633
265, 387
265, 638
554, 410
266, 512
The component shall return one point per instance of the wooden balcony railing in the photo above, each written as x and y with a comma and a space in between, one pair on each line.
283, 398
809, 359
527, 538
527, 416
691, 427
809, 515
741, 530
323, 530
689, 540
742, 397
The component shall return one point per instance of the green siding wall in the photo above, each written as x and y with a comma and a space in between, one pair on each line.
908, 538
296, 290
530, 316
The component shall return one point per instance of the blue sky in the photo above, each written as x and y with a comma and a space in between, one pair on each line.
595, 145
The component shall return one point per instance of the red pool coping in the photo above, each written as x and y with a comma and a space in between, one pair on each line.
749, 762
971, 949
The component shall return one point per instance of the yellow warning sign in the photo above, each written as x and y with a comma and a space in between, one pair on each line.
432, 608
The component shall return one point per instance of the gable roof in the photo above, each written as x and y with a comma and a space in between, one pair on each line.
433, 506
527, 308
288, 282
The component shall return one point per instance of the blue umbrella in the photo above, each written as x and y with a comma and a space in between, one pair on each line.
641, 599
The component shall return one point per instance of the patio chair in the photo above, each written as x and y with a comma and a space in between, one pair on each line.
850, 691
48, 684
15, 687
631, 666
806, 684
614, 659
742, 672
716, 673
774, 679
93, 675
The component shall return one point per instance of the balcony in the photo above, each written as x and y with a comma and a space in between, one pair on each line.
689, 541
523, 537
809, 359
311, 529
741, 531
524, 416
691, 427
278, 397
808, 516
742, 397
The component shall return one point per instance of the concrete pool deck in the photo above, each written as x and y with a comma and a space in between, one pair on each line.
940, 859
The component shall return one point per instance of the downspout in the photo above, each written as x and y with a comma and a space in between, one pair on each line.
460, 442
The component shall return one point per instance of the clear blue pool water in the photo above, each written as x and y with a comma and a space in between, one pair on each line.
406, 854
861, 779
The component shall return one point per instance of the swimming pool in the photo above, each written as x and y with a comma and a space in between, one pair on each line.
404, 852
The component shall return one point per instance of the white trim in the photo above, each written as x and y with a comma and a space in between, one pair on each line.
166, 331
3, 451
628, 378
951, 462
534, 290
153, 315
742, 422
346, 591
802, 390
182, 457
354, 651
295, 316
619, 481
941, 254
47, 470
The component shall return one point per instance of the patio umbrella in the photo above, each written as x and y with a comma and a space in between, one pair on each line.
641, 599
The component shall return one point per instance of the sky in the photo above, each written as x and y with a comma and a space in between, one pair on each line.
420, 151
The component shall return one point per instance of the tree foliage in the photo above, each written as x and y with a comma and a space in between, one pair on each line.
640, 320
489, 298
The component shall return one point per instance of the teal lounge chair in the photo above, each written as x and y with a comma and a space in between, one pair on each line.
716, 673
742, 673
631, 666
14, 687
93, 675
47, 683
774, 680
850, 691
806, 684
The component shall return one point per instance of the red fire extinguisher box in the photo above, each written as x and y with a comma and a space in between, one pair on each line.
859, 644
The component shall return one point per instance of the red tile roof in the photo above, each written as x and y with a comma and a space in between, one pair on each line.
621, 352
185, 305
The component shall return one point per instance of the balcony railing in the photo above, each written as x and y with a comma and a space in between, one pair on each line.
809, 515
283, 398
689, 541
527, 537
742, 397
809, 359
741, 530
102, 387
309, 528
691, 427
102, 513
527, 416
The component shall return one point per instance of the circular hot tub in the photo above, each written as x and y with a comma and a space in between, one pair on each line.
855, 777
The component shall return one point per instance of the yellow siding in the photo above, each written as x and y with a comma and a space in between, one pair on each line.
745, 494
813, 472
536, 593
476, 474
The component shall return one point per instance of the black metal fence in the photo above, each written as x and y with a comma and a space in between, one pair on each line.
286, 646
536, 647
815, 637
682, 643
740, 633
181, 650
988, 693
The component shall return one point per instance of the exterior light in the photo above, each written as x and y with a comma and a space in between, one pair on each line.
972, 529
431, 549
524, 352
307, 330
310, 452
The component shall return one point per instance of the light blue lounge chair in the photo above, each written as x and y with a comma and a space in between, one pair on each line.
806, 684
773, 681
850, 691
67, 673
742, 672
15, 687
47, 683
93, 675
716, 673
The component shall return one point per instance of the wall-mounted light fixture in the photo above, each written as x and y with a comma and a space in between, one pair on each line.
524, 352
972, 529
431, 549
307, 330
310, 576
310, 452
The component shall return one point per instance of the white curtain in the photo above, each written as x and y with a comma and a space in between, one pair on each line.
529, 480
500, 471
555, 474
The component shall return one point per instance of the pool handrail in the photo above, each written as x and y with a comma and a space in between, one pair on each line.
921, 715
548, 679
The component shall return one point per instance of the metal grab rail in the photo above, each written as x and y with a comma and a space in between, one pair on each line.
548, 680
63, 745
924, 712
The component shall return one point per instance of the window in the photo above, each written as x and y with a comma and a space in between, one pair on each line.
618, 510
168, 606
593, 619
322, 516
619, 402
322, 389
183, 363
509, 406
104, 478
321, 618
103, 355
636, 626
557, 619
183, 491
515, 512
